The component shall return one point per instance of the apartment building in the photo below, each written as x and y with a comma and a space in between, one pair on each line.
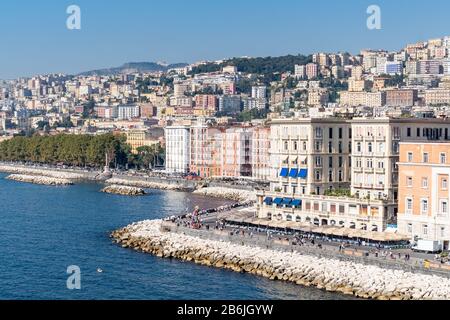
437, 96
318, 97
206, 150
140, 138
368, 99
260, 152
375, 152
401, 98
178, 149
424, 193
237, 152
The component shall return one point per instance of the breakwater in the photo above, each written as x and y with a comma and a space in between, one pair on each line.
124, 190
161, 185
52, 173
48, 181
227, 193
347, 277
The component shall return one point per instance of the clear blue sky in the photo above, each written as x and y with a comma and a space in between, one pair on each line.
34, 37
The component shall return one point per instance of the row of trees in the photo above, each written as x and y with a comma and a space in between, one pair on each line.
268, 67
74, 150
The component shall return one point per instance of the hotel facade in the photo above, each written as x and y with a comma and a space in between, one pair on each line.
340, 172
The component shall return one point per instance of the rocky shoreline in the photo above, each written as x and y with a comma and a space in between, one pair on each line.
146, 184
124, 190
41, 172
350, 278
47, 181
227, 193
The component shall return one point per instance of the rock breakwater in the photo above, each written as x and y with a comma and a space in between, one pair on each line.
124, 190
48, 181
147, 184
40, 172
364, 281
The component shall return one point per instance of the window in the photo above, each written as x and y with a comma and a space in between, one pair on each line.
341, 162
358, 163
318, 146
330, 147
409, 205
409, 181
425, 229
330, 162
340, 176
286, 145
304, 146
425, 158
418, 132
424, 206
410, 157
369, 163
358, 147
380, 164
330, 133
330, 175
408, 132
319, 162
295, 145
424, 182
318, 132
340, 133
369, 147
444, 184
381, 147
443, 158
409, 228
318, 175
444, 207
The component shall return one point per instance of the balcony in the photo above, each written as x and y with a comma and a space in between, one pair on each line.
358, 138
380, 170
380, 139
368, 170
369, 138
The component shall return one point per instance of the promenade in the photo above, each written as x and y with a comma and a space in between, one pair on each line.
221, 226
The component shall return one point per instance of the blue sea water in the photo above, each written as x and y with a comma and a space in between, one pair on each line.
44, 230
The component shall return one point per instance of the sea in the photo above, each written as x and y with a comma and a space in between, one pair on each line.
48, 232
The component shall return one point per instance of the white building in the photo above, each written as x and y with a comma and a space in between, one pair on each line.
178, 151
125, 112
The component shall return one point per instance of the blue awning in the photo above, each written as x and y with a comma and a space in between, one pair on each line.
296, 203
294, 173
278, 200
284, 172
303, 173
287, 201
268, 200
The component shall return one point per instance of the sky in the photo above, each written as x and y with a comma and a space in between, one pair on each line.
35, 39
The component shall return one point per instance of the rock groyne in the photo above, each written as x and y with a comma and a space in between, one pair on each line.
146, 184
47, 181
124, 190
227, 193
40, 172
359, 280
